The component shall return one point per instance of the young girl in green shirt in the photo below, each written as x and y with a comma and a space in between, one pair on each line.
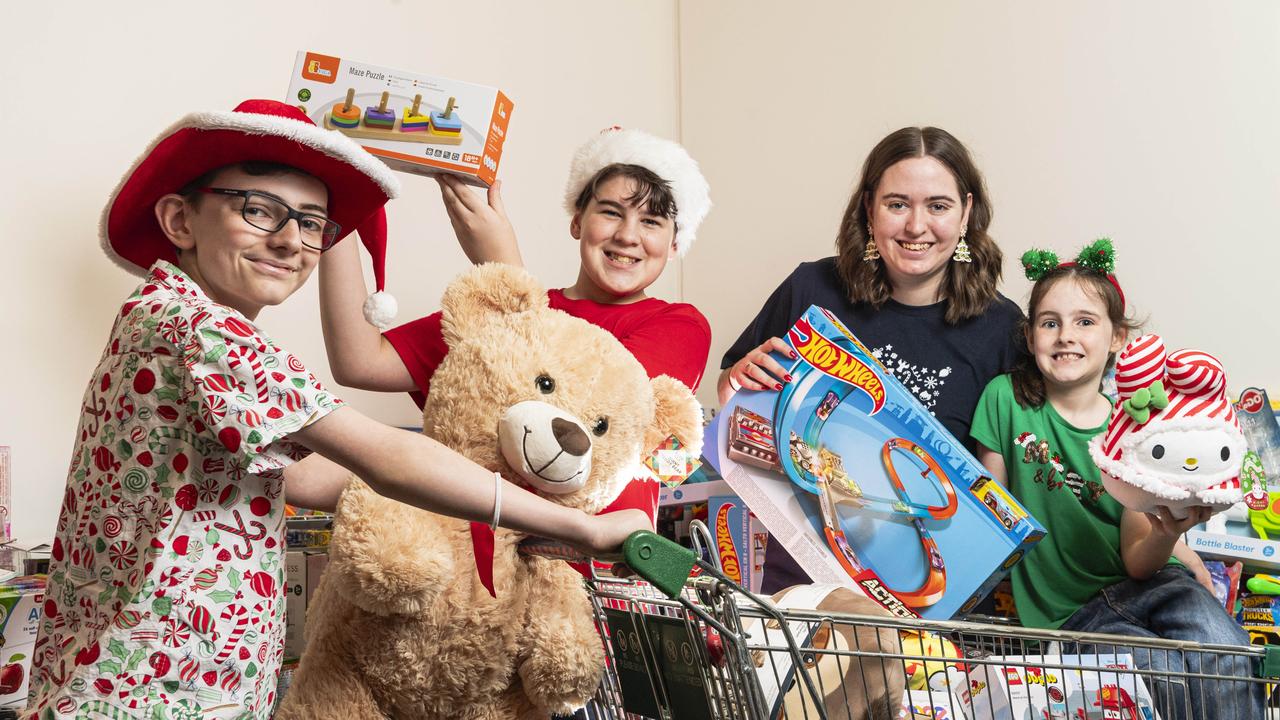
1101, 568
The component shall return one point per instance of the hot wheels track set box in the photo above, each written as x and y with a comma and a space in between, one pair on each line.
863, 486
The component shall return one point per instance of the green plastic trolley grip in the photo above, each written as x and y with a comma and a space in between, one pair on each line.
662, 562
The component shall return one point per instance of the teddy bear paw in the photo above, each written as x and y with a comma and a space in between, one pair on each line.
407, 586
558, 686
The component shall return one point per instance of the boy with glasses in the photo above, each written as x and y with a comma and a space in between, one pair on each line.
165, 591
267, 212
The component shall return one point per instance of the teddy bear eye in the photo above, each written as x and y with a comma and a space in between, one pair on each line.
600, 427
1157, 452
1226, 453
545, 384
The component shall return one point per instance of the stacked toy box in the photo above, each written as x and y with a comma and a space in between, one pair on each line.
415, 123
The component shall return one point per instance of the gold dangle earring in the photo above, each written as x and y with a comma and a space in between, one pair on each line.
870, 253
962, 250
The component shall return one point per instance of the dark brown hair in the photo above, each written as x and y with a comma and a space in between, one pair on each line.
651, 191
968, 288
191, 191
1028, 382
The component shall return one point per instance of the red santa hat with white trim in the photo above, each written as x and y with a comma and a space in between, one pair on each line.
255, 131
664, 158
1179, 392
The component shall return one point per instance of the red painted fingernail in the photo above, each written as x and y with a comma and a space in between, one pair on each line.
794, 355
787, 378
777, 386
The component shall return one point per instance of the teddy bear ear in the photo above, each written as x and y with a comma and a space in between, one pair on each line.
484, 291
675, 412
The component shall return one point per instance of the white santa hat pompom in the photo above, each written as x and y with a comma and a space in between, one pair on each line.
380, 309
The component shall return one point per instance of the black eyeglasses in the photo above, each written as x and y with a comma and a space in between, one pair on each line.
269, 213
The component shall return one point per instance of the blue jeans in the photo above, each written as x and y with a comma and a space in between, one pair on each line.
1173, 606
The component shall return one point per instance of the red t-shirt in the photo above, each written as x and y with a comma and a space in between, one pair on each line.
667, 338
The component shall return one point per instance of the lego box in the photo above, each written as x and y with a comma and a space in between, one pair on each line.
863, 486
931, 705
1061, 687
415, 123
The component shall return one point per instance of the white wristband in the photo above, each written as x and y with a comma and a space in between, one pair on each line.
497, 501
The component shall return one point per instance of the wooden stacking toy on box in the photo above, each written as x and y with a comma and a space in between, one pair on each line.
381, 123
414, 123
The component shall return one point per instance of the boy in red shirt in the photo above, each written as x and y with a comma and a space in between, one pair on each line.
635, 202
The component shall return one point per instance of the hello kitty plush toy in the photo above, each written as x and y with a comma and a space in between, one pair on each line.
1173, 439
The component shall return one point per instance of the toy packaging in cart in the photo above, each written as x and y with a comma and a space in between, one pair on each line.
740, 540
863, 486
414, 123
20, 603
1060, 687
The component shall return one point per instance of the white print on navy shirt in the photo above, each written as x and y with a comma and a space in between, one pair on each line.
925, 383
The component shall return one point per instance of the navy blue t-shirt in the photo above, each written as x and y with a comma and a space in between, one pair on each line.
945, 366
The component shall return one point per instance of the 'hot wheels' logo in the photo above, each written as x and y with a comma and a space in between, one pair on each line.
837, 362
724, 545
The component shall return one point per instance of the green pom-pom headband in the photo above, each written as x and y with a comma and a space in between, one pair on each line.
1037, 263
1099, 256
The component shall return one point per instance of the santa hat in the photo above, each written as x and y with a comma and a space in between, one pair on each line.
666, 159
256, 131
1161, 392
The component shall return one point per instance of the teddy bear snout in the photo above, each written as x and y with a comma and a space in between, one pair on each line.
570, 436
547, 446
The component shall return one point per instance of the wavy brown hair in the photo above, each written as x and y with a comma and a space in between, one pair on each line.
650, 191
968, 288
1028, 381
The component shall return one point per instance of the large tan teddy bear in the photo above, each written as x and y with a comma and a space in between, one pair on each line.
401, 626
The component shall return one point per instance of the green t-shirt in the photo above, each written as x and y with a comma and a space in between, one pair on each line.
1052, 475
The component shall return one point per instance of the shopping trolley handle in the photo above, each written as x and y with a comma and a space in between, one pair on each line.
665, 564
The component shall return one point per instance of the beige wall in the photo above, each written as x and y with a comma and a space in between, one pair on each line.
88, 84
1153, 122
1150, 121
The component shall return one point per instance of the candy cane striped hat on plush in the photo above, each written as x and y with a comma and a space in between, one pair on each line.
256, 131
1194, 384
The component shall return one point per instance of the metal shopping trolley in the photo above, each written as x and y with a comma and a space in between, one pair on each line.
687, 643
